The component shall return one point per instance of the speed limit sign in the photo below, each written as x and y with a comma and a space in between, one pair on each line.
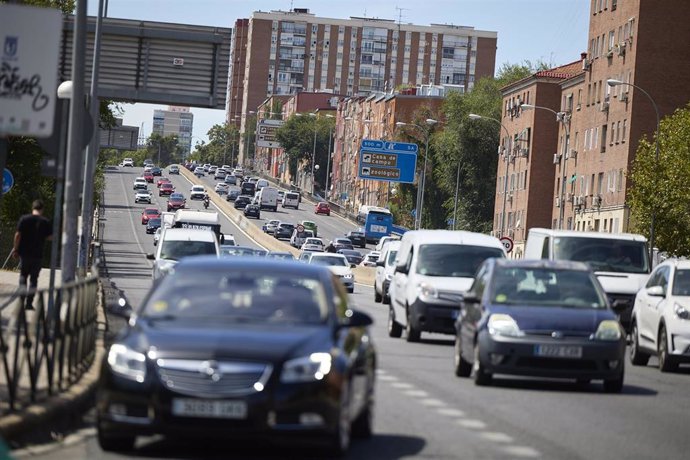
507, 243
300, 228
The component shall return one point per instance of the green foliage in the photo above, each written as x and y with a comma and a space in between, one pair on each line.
66, 6
661, 187
164, 150
222, 147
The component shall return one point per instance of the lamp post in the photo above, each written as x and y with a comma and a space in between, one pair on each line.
345, 162
328, 163
474, 116
246, 132
420, 191
614, 82
564, 119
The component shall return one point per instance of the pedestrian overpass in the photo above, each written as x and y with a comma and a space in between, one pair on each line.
155, 62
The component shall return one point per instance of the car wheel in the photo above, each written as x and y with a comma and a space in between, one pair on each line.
340, 439
115, 443
377, 297
615, 385
394, 327
481, 377
666, 362
637, 356
412, 333
463, 368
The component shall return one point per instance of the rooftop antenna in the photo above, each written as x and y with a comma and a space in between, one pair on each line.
400, 11
291, 4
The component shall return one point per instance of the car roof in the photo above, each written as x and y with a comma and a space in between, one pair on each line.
327, 254
579, 234
343, 240
261, 264
188, 234
451, 237
678, 263
542, 263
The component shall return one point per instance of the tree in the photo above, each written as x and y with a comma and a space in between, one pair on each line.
661, 187
164, 150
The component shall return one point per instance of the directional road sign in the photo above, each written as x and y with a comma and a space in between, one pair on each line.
7, 181
387, 161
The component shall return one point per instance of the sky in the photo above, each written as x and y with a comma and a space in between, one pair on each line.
553, 31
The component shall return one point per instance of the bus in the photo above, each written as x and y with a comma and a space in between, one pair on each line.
378, 222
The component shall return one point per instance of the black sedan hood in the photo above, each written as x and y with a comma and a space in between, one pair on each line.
208, 339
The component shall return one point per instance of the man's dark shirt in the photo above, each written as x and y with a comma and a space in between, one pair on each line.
33, 230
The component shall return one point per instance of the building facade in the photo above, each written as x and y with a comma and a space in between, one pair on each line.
291, 51
177, 121
599, 125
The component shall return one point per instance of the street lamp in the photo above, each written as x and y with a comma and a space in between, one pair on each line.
328, 164
564, 119
420, 191
345, 162
614, 82
246, 132
474, 116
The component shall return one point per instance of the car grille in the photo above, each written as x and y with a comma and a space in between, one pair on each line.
212, 379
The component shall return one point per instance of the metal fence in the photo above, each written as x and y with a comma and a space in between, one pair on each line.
46, 349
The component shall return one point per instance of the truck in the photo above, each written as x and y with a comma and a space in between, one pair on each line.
193, 219
267, 198
619, 260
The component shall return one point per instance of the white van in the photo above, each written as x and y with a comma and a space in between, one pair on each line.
267, 198
291, 200
384, 271
620, 260
177, 243
433, 268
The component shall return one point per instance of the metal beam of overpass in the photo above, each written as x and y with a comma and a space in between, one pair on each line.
155, 62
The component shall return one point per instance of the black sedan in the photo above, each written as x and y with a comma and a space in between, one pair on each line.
357, 238
252, 210
354, 257
244, 348
152, 225
284, 230
539, 318
242, 201
156, 171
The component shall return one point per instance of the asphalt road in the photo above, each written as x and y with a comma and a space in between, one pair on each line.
422, 409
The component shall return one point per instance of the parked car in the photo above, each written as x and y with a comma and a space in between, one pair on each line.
353, 256
309, 225
252, 210
338, 265
539, 318
149, 213
174, 169
295, 343
153, 224
384, 272
322, 208
270, 226
242, 201
166, 188
661, 317
197, 192
143, 196
128, 162
342, 243
176, 201
370, 259
284, 230
357, 237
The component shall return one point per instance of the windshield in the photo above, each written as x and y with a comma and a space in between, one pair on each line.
313, 241
545, 287
197, 189
176, 196
176, 250
154, 222
453, 260
240, 296
331, 261
681, 283
151, 212
603, 254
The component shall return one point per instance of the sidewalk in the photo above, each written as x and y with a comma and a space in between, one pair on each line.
9, 279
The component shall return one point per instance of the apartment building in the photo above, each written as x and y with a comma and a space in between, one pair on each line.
177, 121
642, 45
291, 51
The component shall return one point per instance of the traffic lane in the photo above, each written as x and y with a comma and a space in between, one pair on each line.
329, 227
566, 420
182, 185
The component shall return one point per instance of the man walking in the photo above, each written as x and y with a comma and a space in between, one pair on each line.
32, 232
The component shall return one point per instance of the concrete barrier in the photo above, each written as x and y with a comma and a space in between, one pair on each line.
363, 275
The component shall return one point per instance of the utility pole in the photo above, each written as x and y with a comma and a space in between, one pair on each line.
74, 153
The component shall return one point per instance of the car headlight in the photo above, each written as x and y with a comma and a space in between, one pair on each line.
389, 277
306, 369
127, 363
681, 312
427, 290
608, 330
505, 325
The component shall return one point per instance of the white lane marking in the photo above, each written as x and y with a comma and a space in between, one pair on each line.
521, 451
417, 393
471, 423
496, 436
451, 412
431, 402
402, 385
388, 378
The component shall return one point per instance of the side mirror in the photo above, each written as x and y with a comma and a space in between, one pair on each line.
381, 263
151, 256
401, 269
655, 291
355, 318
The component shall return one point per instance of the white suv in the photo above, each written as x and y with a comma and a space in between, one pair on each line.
128, 162
197, 192
384, 272
661, 317
177, 243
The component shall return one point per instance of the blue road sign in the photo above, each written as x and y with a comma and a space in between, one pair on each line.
387, 161
7, 181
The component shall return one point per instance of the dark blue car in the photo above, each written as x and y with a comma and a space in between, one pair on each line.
539, 318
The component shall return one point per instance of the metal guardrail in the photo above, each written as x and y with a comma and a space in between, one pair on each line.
45, 350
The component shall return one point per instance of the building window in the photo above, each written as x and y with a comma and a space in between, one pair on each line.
625, 124
618, 130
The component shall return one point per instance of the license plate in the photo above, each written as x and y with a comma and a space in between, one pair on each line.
209, 409
558, 351
378, 228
